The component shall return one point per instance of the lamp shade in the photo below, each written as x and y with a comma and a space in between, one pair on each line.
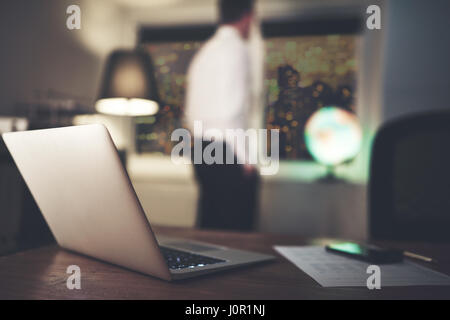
129, 85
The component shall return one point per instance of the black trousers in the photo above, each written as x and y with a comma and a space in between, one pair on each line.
228, 197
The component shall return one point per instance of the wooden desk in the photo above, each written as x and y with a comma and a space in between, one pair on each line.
41, 274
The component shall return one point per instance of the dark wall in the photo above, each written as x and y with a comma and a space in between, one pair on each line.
417, 56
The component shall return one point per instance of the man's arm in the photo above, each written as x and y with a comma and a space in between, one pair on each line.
234, 96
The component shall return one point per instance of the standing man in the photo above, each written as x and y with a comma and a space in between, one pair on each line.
218, 95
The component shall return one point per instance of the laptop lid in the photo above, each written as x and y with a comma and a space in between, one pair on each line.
76, 177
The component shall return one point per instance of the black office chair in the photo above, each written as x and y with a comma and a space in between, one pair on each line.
15, 199
409, 188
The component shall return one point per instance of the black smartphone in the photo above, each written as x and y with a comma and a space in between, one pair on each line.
367, 253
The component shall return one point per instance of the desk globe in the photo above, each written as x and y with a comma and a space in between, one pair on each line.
333, 136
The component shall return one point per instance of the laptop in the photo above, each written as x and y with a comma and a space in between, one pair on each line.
87, 199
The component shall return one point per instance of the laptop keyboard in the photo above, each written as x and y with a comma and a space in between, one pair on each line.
177, 259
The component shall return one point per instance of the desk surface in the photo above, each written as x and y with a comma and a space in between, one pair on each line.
41, 274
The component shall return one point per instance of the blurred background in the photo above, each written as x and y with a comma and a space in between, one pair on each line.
51, 76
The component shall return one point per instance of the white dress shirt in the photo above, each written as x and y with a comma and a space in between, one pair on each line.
218, 79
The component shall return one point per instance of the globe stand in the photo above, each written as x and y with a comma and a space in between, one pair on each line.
330, 176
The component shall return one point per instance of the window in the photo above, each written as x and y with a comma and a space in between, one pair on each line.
171, 61
308, 65
302, 75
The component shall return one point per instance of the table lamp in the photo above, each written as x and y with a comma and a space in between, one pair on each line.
129, 85
333, 136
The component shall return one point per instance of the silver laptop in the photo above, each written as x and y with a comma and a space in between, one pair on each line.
86, 197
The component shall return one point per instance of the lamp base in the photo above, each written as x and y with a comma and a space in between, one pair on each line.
123, 156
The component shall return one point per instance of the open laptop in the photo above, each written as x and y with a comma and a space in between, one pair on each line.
79, 183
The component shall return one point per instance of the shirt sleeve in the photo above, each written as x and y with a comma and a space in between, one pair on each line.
219, 90
233, 100
233, 84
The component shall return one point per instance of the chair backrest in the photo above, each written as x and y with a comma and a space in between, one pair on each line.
22, 225
409, 188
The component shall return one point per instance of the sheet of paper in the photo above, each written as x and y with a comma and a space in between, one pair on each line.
331, 270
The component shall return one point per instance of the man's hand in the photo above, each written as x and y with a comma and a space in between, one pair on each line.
249, 170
